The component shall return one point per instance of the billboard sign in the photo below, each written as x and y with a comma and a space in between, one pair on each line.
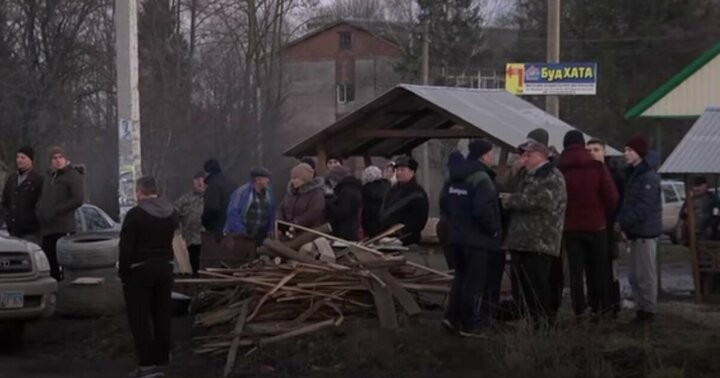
551, 78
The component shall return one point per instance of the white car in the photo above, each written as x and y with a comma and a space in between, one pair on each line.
673, 197
87, 218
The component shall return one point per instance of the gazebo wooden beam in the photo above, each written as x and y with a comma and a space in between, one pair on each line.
417, 134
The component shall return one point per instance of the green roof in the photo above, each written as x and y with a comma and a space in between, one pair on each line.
671, 84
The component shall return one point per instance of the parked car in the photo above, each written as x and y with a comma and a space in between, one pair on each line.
27, 292
673, 197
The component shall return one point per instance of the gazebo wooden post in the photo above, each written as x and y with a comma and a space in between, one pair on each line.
503, 162
321, 160
367, 159
693, 240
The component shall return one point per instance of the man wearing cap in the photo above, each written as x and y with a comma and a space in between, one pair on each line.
470, 202
20, 196
535, 230
62, 193
218, 190
190, 208
251, 212
591, 201
640, 219
406, 203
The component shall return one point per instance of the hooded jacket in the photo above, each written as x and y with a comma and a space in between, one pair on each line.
215, 202
343, 209
304, 206
470, 202
19, 202
406, 204
591, 194
641, 214
62, 193
147, 234
372, 199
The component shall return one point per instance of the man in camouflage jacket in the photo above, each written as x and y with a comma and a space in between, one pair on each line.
535, 231
190, 208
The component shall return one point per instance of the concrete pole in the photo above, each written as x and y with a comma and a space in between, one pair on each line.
426, 81
552, 104
128, 97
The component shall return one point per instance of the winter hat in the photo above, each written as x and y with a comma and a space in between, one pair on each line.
27, 151
309, 161
371, 174
56, 150
212, 166
478, 148
455, 158
337, 173
539, 135
407, 161
639, 144
572, 138
334, 157
256, 172
534, 146
303, 172
200, 174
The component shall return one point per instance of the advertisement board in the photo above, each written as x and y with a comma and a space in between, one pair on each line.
551, 78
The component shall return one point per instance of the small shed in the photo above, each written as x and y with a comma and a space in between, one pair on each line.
698, 155
407, 116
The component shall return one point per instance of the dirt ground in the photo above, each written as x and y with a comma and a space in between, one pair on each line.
683, 342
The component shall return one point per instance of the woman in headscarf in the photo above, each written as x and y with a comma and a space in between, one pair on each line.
373, 192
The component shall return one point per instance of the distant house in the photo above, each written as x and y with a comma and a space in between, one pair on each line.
332, 71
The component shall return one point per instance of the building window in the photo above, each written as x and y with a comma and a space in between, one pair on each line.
345, 42
345, 93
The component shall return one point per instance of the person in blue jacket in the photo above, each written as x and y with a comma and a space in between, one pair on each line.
471, 205
640, 220
251, 211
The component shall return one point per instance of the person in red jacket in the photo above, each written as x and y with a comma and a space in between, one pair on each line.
591, 198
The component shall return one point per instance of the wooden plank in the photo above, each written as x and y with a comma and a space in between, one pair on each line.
326, 251
384, 304
182, 259
693, 243
284, 251
274, 290
390, 231
232, 353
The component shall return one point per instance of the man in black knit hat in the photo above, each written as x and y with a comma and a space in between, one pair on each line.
20, 196
473, 212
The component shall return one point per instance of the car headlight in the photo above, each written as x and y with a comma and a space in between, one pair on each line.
41, 262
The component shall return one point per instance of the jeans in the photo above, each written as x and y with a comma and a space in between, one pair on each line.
467, 288
148, 300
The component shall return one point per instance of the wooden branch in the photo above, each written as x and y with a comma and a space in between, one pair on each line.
267, 295
232, 353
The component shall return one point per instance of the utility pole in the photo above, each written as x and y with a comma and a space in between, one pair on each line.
426, 81
128, 98
552, 104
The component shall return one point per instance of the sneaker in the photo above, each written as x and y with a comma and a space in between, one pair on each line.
447, 324
146, 372
473, 333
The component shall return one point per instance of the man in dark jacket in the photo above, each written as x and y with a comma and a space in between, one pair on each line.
343, 206
442, 229
145, 268
591, 199
373, 191
20, 197
216, 198
640, 219
705, 207
62, 194
406, 203
473, 214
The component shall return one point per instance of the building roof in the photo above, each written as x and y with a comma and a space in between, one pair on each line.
698, 151
409, 115
385, 30
686, 94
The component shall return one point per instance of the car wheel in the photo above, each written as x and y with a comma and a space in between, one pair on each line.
104, 299
88, 251
109, 274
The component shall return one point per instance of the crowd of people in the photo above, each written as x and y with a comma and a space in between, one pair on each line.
541, 208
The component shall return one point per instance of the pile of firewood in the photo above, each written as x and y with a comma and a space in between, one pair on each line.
291, 294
